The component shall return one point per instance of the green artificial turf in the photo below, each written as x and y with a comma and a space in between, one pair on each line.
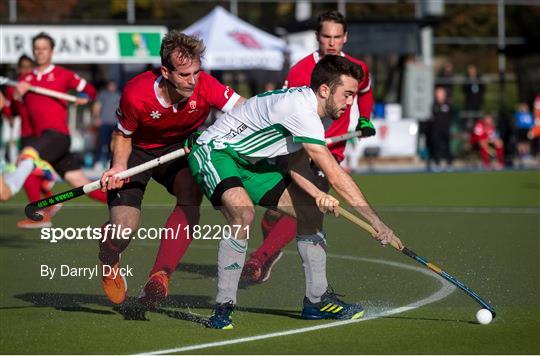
483, 228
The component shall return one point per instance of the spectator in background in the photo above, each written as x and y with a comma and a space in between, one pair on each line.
446, 79
523, 122
49, 145
474, 91
534, 132
269, 86
537, 107
14, 103
485, 138
2, 106
441, 121
104, 114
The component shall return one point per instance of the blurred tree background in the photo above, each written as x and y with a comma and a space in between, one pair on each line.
461, 19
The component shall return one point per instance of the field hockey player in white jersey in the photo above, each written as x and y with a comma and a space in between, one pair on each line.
239, 161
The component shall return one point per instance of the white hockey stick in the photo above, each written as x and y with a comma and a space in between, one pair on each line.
32, 208
40, 90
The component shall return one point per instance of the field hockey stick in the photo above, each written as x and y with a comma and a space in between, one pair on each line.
40, 90
344, 137
364, 225
33, 207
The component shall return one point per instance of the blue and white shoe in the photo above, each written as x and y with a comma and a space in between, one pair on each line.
331, 307
221, 317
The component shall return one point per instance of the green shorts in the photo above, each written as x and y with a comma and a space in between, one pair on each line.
217, 170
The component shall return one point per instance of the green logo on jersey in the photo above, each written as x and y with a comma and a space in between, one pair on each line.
279, 91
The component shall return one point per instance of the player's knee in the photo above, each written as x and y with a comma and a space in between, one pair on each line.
247, 215
125, 225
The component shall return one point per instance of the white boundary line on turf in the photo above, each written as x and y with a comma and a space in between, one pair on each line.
445, 290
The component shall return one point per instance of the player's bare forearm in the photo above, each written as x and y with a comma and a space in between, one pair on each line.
347, 188
325, 202
342, 182
121, 150
298, 166
305, 184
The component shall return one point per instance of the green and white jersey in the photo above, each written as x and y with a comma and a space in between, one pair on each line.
268, 125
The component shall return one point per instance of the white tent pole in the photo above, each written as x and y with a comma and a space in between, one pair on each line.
234, 7
342, 7
130, 11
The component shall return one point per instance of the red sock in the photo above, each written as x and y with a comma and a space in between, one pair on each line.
32, 187
500, 154
485, 156
98, 195
171, 250
277, 234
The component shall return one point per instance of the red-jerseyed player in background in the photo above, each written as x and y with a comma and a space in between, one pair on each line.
485, 136
48, 118
158, 110
14, 105
279, 230
36, 186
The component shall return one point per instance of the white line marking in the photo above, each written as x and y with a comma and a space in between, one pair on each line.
445, 290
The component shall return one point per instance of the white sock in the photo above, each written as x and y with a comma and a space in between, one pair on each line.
15, 180
231, 258
312, 249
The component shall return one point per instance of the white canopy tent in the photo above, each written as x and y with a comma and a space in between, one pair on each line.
232, 43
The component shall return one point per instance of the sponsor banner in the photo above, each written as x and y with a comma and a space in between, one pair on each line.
262, 59
394, 139
86, 44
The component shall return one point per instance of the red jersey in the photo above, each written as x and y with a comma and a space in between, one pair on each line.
45, 112
151, 122
15, 107
483, 132
300, 75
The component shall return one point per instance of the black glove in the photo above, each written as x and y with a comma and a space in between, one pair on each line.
366, 126
191, 140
